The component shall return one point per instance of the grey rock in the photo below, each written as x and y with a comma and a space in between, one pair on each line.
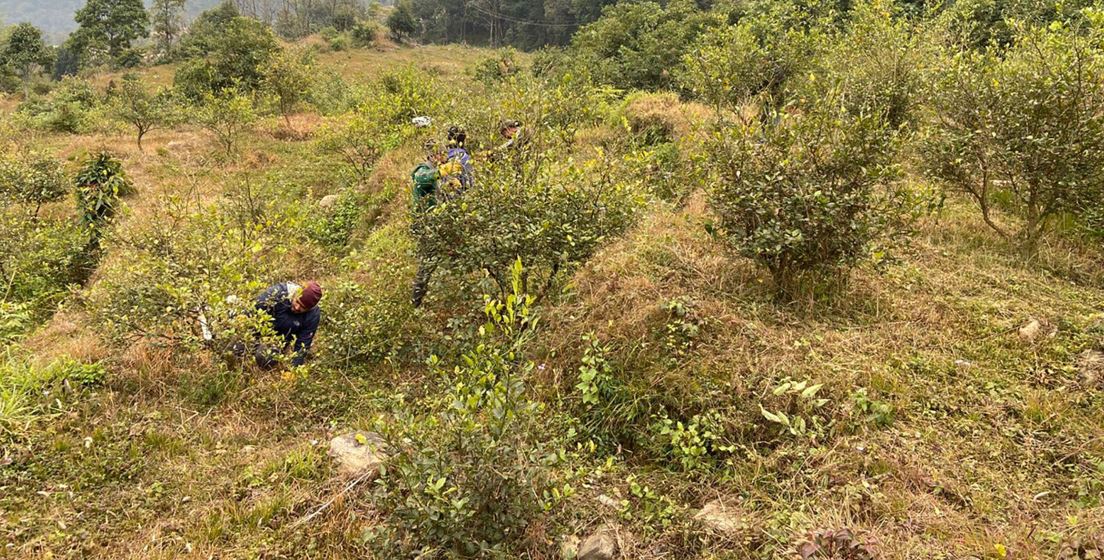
358, 456
1031, 330
602, 545
328, 202
721, 518
1091, 366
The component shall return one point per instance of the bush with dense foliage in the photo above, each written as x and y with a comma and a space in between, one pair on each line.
807, 195
32, 178
470, 467
1021, 131
551, 214
224, 50
641, 45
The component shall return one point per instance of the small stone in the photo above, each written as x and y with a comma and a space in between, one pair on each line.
1091, 366
328, 202
608, 501
569, 547
963, 364
721, 518
358, 453
600, 546
1031, 330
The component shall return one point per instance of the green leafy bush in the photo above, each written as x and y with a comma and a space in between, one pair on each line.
227, 115
71, 108
1021, 132
808, 195
469, 468
32, 178
497, 67
640, 45
551, 215
99, 186
143, 109
224, 50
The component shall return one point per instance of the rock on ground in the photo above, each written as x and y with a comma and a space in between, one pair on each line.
1031, 330
328, 202
1091, 366
602, 545
722, 518
358, 453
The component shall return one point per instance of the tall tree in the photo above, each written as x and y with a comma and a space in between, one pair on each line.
26, 52
112, 25
167, 17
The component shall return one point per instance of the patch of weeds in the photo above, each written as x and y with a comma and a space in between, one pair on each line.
871, 410
796, 410
212, 388
681, 332
647, 506
696, 444
300, 464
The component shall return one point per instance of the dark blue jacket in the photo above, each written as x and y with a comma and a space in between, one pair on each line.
296, 328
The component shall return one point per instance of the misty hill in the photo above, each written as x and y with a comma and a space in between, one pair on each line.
56, 16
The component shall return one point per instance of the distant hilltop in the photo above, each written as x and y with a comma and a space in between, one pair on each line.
55, 17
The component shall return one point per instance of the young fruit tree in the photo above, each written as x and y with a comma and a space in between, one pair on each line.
807, 196
1021, 132
227, 115
142, 109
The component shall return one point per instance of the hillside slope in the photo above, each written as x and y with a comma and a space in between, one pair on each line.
939, 429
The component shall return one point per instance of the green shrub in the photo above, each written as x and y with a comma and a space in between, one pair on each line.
70, 108
99, 186
365, 33
29, 393
468, 469
206, 258
497, 67
1021, 132
224, 50
32, 178
808, 195
228, 116
143, 109
551, 215
641, 45
287, 78
878, 65
331, 95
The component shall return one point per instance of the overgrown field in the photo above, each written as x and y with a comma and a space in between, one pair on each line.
750, 321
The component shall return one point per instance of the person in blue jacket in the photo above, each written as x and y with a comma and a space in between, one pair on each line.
295, 316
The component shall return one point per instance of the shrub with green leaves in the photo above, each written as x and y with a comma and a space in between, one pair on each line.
71, 107
32, 178
878, 64
227, 115
551, 214
225, 50
808, 195
361, 138
469, 468
99, 186
200, 258
143, 109
497, 67
1021, 132
287, 78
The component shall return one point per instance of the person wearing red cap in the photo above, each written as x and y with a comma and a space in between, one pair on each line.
295, 316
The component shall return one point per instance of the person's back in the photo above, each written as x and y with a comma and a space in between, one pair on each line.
295, 315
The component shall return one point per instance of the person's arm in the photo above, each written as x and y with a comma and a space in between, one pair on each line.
305, 337
268, 298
